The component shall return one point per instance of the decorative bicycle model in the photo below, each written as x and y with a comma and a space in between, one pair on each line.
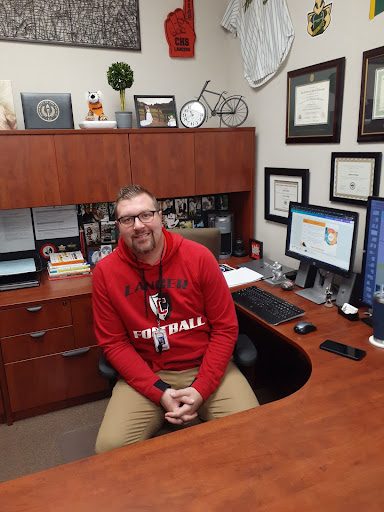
232, 110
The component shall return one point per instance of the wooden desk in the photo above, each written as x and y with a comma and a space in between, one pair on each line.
320, 449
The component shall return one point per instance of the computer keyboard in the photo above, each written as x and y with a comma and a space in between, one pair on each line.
270, 308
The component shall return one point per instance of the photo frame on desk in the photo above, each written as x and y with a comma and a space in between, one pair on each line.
282, 186
155, 111
314, 103
371, 112
354, 177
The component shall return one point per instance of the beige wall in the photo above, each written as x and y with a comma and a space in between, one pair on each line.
34, 67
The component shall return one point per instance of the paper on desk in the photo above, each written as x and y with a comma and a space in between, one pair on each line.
55, 222
240, 276
16, 231
12, 267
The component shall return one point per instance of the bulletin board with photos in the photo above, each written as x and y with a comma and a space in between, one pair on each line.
192, 212
98, 229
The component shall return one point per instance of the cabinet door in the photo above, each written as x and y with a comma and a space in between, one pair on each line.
164, 163
225, 161
28, 171
92, 167
83, 321
46, 380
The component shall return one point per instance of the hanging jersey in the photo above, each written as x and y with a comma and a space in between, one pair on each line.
266, 34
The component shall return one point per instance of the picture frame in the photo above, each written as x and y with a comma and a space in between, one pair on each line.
47, 111
354, 177
282, 186
255, 249
371, 111
74, 24
155, 111
314, 103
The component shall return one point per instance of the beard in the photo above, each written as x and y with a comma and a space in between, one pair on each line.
143, 246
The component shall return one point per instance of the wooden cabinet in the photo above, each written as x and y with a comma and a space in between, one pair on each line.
164, 162
48, 353
225, 161
28, 171
92, 167
2, 413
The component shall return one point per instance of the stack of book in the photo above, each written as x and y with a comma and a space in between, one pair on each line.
67, 264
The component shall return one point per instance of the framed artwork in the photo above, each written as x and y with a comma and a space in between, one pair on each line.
282, 186
47, 111
255, 249
7, 109
354, 177
371, 113
314, 103
107, 24
155, 111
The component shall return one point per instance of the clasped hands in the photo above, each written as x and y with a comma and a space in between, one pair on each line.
181, 405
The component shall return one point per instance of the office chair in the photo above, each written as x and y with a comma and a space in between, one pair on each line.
245, 353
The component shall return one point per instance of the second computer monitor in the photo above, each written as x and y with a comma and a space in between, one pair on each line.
323, 238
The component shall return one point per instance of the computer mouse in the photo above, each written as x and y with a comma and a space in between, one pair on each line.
304, 327
287, 285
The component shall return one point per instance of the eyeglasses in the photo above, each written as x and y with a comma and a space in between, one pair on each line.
144, 217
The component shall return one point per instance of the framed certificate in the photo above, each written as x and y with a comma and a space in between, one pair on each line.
281, 187
354, 177
371, 113
314, 103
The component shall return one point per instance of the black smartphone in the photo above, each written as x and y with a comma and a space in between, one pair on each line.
343, 350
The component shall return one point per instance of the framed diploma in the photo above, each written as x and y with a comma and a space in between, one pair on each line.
354, 177
371, 113
281, 187
314, 103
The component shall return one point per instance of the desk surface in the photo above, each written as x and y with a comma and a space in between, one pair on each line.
320, 449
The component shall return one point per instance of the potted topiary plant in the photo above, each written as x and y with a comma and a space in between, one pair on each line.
120, 78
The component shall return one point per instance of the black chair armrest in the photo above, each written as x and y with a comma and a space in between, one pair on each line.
106, 370
245, 353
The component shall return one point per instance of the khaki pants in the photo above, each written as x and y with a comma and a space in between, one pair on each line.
131, 417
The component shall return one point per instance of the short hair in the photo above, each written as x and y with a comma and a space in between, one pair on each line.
131, 191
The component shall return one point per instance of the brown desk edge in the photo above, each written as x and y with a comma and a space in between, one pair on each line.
320, 449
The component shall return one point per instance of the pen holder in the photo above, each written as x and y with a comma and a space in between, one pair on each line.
352, 317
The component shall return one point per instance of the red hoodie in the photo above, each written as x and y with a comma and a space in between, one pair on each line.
197, 313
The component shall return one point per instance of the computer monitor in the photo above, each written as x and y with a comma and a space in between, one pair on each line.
373, 252
323, 239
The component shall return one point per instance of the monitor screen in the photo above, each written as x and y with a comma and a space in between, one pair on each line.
373, 254
324, 237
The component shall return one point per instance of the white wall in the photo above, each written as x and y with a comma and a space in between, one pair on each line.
349, 34
46, 68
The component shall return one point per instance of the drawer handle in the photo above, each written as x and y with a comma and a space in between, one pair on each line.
34, 309
76, 352
38, 334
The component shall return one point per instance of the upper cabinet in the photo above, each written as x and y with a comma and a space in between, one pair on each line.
164, 162
28, 173
92, 167
225, 160
62, 167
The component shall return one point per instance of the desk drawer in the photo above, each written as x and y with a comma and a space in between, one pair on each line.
35, 317
55, 378
37, 344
